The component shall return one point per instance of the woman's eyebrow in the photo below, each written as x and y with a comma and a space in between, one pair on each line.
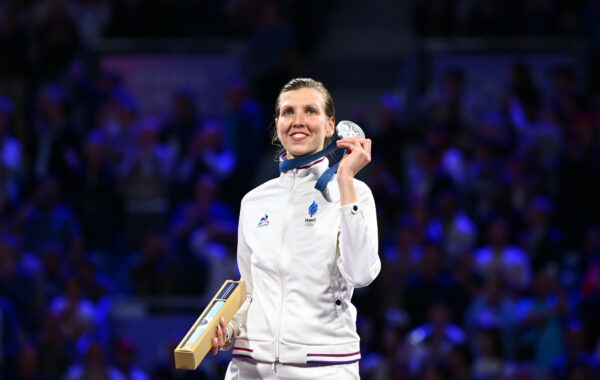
292, 105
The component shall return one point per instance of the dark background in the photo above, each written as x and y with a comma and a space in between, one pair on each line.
130, 130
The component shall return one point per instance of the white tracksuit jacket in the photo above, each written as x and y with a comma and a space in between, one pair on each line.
301, 256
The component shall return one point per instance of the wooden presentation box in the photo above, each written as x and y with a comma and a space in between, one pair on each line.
198, 340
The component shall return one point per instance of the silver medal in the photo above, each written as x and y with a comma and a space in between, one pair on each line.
347, 129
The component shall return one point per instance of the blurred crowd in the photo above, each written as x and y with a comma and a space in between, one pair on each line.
504, 17
489, 221
490, 235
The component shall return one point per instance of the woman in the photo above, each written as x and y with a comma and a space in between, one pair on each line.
302, 255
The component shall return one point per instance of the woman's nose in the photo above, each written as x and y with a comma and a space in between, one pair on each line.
298, 119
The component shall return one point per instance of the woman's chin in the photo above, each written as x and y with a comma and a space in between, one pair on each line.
295, 153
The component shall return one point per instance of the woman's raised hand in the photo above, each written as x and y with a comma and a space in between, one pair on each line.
358, 155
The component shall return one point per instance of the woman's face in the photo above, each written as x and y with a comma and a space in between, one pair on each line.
302, 124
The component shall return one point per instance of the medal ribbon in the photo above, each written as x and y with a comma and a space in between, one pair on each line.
324, 179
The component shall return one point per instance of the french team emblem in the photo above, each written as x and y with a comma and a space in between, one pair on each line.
312, 210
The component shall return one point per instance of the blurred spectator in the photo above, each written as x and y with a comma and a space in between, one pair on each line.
401, 258
97, 204
459, 361
156, 272
453, 228
18, 283
94, 283
425, 282
499, 258
125, 353
57, 39
540, 239
93, 367
144, 176
75, 312
28, 364
84, 94
54, 351
427, 344
11, 156
576, 358
449, 107
245, 133
91, 18
488, 362
492, 309
181, 122
56, 147
118, 116
579, 178
590, 299
54, 268
566, 98
523, 98
216, 158
541, 321
46, 219
204, 229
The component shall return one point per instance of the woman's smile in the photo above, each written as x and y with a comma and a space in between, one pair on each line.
299, 136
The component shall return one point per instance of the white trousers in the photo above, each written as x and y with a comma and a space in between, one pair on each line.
243, 369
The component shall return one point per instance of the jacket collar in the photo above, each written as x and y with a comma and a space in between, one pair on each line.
309, 172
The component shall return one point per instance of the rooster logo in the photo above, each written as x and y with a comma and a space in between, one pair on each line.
264, 221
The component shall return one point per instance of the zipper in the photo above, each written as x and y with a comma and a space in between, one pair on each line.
285, 224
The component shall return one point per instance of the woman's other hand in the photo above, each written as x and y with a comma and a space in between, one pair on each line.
221, 338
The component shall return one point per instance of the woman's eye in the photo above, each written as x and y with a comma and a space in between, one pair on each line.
312, 111
287, 112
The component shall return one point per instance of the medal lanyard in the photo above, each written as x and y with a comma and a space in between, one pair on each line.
324, 179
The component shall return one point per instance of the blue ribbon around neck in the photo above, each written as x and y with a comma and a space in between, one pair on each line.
324, 179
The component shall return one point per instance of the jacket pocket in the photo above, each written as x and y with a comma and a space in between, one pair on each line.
338, 302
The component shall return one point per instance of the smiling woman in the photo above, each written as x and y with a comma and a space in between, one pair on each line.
302, 124
302, 254
318, 103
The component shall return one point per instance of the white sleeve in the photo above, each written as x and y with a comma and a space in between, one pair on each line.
359, 261
243, 260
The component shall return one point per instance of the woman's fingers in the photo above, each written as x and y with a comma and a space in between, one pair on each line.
358, 155
367, 146
352, 143
220, 335
356, 144
219, 341
215, 347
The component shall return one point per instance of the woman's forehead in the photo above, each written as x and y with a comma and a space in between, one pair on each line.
302, 97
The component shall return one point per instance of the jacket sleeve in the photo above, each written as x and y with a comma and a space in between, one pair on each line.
359, 261
243, 261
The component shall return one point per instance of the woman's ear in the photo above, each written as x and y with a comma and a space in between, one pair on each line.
330, 126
